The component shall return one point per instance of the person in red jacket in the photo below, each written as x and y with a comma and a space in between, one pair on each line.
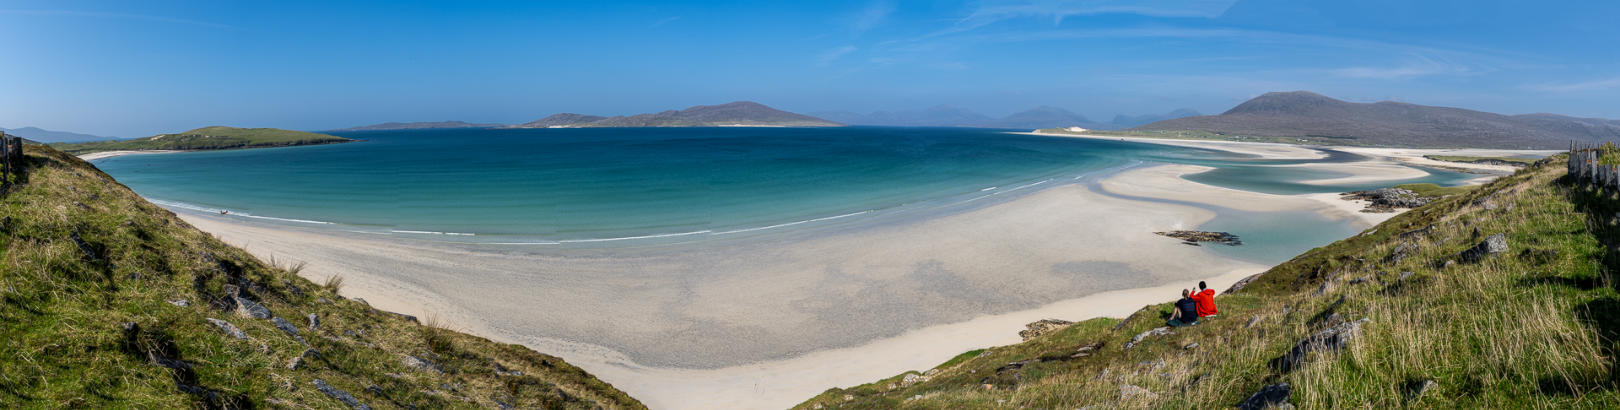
1206, 300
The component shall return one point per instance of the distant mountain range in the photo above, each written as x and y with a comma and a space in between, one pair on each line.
48, 136
740, 113
1390, 123
418, 126
1034, 118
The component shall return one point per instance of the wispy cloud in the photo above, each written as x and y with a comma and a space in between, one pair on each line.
828, 57
664, 21
122, 16
1420, 67
871, 16
1057, 10
1594, 85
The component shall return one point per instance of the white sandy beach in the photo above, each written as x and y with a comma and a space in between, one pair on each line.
109, 154
768, 323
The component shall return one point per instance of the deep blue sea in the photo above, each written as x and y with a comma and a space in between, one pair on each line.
584, 185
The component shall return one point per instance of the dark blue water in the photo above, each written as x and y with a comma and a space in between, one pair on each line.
592, 184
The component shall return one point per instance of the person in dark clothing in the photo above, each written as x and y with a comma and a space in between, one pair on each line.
1186, 311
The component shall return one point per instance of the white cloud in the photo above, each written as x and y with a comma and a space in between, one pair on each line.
1057, 10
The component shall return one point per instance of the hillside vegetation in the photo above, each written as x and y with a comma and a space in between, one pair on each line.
208, 138
108, 301
1497, 297
1303, 114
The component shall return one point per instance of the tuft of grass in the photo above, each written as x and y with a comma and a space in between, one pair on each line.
1536, 326
333, 283
105, 300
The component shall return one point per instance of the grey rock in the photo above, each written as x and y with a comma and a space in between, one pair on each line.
503, 371
285, 326
1242, 283
1252, 322
1416, 391
1158, 331
1190, 346
1270, 396
930, 372
1330, 339
340, 395
910, 379
1042, 327
1496, 243
1405, 275
249, 308
314, 321
420, 364
1403, 250
179, 302
1131, 392
229, 328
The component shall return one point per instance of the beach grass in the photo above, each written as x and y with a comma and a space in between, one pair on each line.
105, 301
206, 138
1535, 326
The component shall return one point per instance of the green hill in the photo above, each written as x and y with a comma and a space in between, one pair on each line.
208, 138
1404, 314
109, 301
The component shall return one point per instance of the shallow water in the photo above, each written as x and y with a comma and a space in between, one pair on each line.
604, 186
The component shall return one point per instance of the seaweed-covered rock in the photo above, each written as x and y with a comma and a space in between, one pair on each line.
1388, 199
1195, 237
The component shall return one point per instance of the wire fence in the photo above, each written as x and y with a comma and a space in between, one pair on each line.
1585, 166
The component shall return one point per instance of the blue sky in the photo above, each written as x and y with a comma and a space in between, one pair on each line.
136, 68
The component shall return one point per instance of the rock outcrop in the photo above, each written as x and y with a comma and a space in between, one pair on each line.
1194, 237
1387, 199
1042, 327
1330, 339
1496, 243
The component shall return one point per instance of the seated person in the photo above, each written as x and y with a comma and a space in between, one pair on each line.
1206, 300
1185, 312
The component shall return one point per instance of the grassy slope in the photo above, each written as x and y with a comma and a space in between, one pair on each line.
208, 138
64, 306
1470, 159
1523, 328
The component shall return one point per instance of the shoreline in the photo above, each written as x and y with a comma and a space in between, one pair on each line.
109, 154
940, 281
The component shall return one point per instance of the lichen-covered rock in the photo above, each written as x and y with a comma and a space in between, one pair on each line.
1158, 331
1401, 251
1132, 392
1042, 327
340, 395
1330, 339
229, 328
1496, 243
420, 364
249, 308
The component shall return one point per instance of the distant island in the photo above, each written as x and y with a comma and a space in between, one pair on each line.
49, 136
1311, 118
207, 138
735, 114
418, 126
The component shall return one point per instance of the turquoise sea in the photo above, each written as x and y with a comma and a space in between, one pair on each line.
623, 184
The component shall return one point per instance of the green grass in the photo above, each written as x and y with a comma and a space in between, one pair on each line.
1518, 162
1533, 327
1435, 191
207, 138
85, 275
